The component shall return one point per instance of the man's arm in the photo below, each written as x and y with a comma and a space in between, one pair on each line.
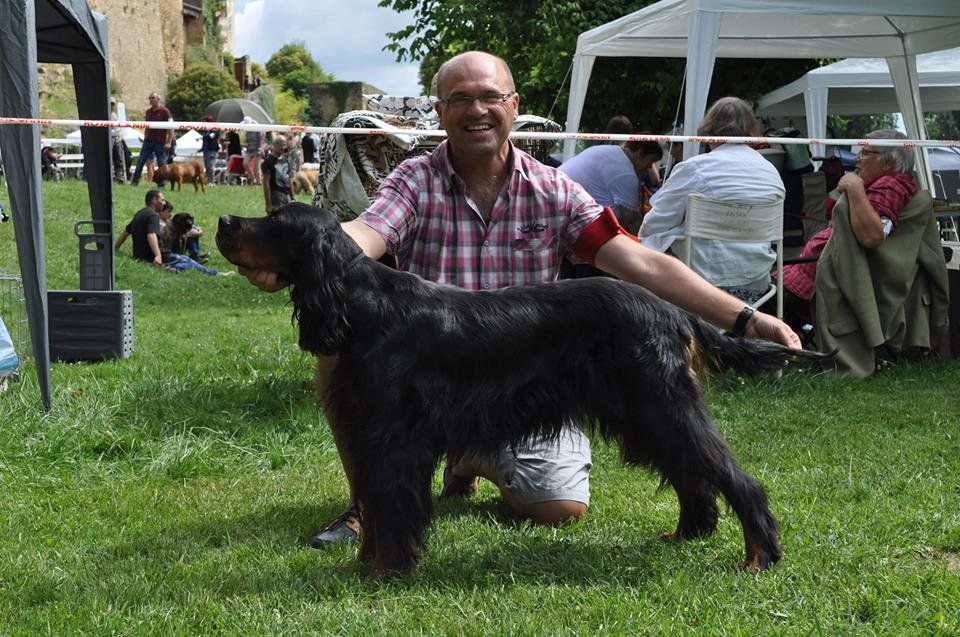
266, 190
671, 280
154, 244
121, 238
865, 222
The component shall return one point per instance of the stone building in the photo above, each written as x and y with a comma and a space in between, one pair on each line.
148, 41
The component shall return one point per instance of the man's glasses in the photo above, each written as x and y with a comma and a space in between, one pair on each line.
465, 101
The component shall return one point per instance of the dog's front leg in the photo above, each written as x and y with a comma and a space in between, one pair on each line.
394, 487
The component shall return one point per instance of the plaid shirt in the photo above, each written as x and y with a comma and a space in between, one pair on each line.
429, 223
887, 195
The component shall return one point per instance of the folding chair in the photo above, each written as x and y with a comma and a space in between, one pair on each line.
717, 220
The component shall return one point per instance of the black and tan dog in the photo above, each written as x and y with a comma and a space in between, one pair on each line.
420, 370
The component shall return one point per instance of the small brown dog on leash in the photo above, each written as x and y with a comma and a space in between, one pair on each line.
177, 173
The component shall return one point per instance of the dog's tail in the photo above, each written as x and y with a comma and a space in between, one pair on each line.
715, 351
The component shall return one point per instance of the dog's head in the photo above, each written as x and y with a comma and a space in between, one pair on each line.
182, 222
161, 173
305, 246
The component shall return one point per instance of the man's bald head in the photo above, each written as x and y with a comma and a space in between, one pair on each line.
472, 59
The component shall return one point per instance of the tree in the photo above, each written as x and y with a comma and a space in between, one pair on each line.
538, 40
294, 69
943, 125
199, 85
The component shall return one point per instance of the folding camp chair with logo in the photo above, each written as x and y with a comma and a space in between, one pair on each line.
710, 219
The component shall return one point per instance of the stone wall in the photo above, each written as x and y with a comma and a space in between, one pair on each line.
329, 99
138, 56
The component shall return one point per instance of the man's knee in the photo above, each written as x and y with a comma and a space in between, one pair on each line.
550, 512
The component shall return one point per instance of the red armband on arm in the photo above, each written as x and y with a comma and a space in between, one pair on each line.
600, 230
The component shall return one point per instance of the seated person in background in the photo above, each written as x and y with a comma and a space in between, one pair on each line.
729, 172
170, 246
875, 193
612, 174
145, 230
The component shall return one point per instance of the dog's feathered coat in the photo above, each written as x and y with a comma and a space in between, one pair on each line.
425, 370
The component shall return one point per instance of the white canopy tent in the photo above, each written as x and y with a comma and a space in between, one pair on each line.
189, 144
132, 136
862, 86
893, 29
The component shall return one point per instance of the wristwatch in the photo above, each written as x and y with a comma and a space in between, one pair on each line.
740, 325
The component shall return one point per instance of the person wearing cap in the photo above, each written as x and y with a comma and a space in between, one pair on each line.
156, 141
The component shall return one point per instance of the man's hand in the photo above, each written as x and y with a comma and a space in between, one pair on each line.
848, 181
266, 281
773, 329
158, 260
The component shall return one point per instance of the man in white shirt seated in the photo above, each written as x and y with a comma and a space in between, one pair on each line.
729, 172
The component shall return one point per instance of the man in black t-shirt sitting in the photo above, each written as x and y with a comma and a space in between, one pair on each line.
145, 230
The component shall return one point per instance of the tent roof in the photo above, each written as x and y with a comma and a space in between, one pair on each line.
859, 86
759, 29
67, 32
701, 30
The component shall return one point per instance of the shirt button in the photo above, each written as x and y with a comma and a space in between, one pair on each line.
486, 286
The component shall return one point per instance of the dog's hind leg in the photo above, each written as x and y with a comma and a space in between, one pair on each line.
744, 494
681, 442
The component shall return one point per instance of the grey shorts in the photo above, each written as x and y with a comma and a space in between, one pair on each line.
543, 470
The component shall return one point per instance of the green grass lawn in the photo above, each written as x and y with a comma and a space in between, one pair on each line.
173, 493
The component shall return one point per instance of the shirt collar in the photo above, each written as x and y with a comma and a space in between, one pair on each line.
440, 160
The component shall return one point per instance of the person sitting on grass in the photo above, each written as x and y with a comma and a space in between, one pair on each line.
151, 241
185, 235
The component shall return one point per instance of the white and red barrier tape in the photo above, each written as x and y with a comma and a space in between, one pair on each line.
416, 132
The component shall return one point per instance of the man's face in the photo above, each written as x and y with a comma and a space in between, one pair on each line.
154, 100
157, 202
477, 127
873, 162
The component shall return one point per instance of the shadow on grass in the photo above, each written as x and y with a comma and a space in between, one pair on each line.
267, 552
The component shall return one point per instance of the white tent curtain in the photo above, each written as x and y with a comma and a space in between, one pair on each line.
764, 29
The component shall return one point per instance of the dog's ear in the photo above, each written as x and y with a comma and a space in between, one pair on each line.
319, 295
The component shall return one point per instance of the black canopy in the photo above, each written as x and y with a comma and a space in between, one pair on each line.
63, 32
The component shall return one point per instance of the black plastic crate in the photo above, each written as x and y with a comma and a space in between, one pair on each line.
87, 325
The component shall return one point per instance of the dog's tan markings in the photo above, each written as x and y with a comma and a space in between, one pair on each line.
325, 368
697, 364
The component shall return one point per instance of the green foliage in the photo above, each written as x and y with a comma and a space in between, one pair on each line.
295, 69
213, 12
857, 126
289, 108
173, 492
538, 40
189, 94
203, 54
943, 125
264, 96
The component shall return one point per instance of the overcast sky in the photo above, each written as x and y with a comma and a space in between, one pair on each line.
344, 36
